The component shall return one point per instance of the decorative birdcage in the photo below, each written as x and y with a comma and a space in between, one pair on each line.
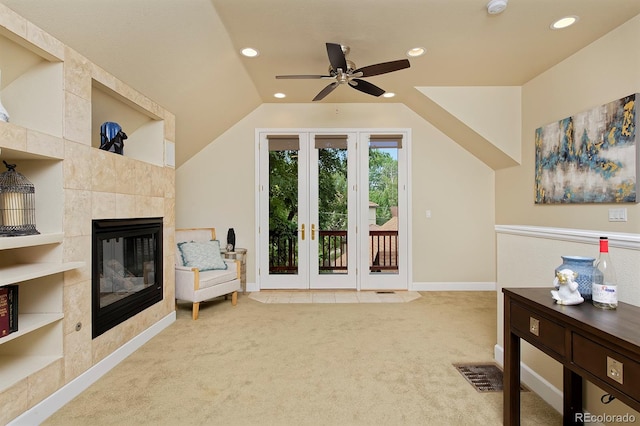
17, 204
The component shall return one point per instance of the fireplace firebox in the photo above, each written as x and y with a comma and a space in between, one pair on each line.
127, 272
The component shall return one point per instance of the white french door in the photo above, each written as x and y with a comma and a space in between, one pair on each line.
384, 240
308, 182
312, 200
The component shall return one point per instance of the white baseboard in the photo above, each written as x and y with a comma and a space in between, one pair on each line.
428, 286
58, 399
534, 381
453, 286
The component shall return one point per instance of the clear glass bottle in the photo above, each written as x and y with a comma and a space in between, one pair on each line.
605, 284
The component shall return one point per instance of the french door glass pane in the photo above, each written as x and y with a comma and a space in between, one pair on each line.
332, 209
383, 206
283, 206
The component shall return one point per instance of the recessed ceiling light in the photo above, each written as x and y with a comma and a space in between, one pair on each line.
388, 95
279, 95
495, 7
416, 51
565, 22
249, 52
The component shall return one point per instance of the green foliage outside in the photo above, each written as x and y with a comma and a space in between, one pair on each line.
283, 193
283, 188
332, 181
383, 183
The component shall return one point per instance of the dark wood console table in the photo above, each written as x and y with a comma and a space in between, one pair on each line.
598, 345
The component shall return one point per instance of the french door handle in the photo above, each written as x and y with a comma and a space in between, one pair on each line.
313, 231
302, 231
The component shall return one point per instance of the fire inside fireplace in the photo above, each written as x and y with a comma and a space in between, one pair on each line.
126, 271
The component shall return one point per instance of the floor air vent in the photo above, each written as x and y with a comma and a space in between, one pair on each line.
385, 292
483, 377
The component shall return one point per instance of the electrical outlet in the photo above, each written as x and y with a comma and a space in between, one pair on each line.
618, 215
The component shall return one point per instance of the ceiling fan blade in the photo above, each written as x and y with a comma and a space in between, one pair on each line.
383, 68
324, 92
366, 87
312, 76
336, 57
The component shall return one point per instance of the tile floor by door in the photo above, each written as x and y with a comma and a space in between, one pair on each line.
324, 296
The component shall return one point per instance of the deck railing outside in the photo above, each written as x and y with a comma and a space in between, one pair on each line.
332, 256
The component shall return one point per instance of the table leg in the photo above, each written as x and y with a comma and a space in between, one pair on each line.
572, 401
511, 375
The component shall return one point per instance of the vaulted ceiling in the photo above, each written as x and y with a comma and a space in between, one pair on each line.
184, 54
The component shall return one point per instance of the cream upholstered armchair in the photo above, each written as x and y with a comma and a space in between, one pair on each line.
201, 272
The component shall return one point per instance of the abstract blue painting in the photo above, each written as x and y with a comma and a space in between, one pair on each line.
591, 157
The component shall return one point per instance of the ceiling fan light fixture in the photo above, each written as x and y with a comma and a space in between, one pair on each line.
565, 22
249, 52
416, 51
342, 72
388, 95
495, 7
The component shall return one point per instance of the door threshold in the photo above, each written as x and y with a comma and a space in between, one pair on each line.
334, 296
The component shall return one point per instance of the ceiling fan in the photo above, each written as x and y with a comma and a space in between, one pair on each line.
344, 72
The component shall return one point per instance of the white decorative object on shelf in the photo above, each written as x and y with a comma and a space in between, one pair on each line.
567, 288
4, 115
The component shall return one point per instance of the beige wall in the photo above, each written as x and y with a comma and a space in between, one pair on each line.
217, 187
494, 112
604, 71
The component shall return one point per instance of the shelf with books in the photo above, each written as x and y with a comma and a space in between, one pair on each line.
37, 342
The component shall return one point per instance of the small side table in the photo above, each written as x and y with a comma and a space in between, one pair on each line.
241, 255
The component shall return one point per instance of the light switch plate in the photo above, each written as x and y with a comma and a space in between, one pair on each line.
618, 215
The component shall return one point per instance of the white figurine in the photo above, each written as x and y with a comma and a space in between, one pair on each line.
566, 292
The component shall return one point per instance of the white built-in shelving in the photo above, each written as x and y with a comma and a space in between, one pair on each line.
30, 240
25, 272
55, 98
32, 90
144, 129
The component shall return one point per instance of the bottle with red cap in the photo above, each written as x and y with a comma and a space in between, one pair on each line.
605, 284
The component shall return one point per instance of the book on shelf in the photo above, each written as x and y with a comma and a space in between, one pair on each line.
4, 311
13, 308
8, 310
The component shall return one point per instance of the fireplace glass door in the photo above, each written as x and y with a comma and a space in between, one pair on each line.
127, 266
127, 270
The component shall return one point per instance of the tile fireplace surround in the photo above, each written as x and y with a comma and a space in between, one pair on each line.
75, 184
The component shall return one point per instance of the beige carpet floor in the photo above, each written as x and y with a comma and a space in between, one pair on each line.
309, 364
